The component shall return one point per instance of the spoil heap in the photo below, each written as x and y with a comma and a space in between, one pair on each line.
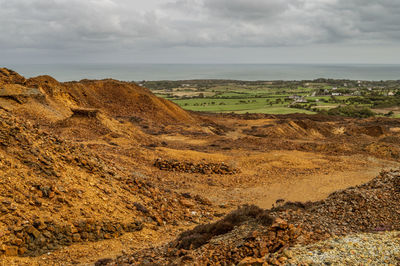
123, 99
117, 99
54, 193
188, 167
8, 76
371, 207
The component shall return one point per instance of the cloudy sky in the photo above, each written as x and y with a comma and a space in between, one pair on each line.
200, 31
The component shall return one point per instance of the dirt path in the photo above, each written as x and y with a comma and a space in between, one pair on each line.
301, 188
311, 188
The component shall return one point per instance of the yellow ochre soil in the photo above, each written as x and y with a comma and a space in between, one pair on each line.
78, 181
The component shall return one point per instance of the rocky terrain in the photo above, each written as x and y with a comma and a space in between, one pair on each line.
55, 193
251, 235
188, 167
105, 172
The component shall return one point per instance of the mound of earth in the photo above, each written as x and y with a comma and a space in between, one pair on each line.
54, 193
115, 98
252, 236
80, 128
122, 99
8, 76
293, 129
306, 128
98, 127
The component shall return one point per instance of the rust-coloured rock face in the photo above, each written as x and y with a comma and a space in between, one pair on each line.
242, 238
114, 98
8, 76
125, 99
54, 193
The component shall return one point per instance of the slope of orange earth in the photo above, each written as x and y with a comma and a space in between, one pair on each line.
124, 108
253, 236
45, 100
115, 98
294, 157
122, 99
8, 76
78, 168
54, 193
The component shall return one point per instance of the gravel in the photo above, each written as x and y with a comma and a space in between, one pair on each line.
355, 226
358, 249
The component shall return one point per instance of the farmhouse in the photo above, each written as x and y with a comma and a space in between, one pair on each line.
294, 97
301, 100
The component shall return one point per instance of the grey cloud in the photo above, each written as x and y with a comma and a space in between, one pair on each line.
49, 23
291, 22
362, 21
247, 9
92, 26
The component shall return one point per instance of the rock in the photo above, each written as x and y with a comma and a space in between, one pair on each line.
158, 220
287, 253
102, 262
10, 250
140, 207
187, 203
40, 225
108, 236
280, 223
203, 200
33, 231
251, 261
17, 242
188, 167
76, 237
22, 251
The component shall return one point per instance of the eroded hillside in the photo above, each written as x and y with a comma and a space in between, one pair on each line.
107, 166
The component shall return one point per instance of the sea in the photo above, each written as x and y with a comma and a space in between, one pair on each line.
249, 72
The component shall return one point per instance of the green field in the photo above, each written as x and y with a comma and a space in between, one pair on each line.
278, 111
253, 100
241, 99
277, 97
250, 105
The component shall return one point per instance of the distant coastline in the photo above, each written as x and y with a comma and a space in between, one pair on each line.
250, 72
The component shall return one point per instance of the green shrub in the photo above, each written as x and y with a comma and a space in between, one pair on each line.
350, 111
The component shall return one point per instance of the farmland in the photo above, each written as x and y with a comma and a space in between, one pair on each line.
281, 97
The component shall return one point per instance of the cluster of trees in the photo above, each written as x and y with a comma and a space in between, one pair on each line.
349, 111
376, 101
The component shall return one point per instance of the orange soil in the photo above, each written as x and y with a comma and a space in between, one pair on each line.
290, 157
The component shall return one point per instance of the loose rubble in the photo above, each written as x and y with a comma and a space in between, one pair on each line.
372, 207
358, 249
369, 207
54, 193
188, 167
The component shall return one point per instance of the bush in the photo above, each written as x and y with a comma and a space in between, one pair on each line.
389, 114
201, 234
351, 111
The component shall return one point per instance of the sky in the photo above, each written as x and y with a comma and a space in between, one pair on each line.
200, 31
